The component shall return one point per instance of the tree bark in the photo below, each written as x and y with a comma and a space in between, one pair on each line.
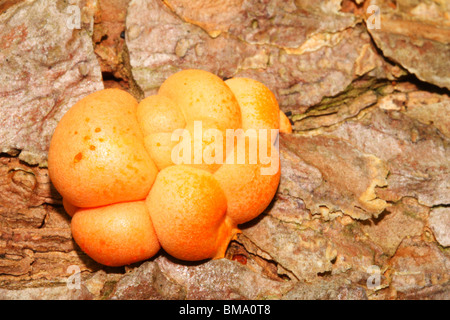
362, 209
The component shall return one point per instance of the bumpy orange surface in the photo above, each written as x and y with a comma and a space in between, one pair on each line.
117, 234
97, 154
188, 208
162, 173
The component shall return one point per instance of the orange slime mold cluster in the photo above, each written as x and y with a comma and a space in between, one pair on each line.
112, 160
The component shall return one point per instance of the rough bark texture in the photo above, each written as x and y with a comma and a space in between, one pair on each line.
47, 63
364, 192
417, 35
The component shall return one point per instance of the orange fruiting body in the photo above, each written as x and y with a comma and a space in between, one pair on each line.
70, 208
259, 107
202, 96
188, 208
97, 154
158, 117
285, 123
248, 188
117, 234
180, 170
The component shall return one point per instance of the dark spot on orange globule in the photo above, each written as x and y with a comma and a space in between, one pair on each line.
98, 129
91, 147
78, 157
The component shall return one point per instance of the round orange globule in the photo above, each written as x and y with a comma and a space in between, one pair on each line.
111, 159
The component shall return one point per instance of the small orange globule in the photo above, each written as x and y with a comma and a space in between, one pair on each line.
112, 160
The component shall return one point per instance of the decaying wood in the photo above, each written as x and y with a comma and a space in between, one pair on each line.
365, 175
